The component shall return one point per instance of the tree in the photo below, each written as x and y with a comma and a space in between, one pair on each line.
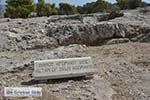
42, 8
87, 8
128, 4
115, 12
54, 10
101, 6
67, 9
123, 4
94, 7
134, 3
18, 8
45, 9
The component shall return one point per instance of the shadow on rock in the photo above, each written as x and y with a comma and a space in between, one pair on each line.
56, 81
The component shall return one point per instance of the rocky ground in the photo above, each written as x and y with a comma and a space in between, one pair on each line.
123, 72
123, 69
92, 29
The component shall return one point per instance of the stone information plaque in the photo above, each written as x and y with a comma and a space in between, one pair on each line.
63, 68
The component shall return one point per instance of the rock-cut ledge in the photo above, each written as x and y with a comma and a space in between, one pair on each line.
93, 29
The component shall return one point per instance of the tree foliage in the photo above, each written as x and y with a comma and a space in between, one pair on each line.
101, 6
45, 9
123, 4
67, 9
54, 10
115, 12
23, 8
18, 8
129, 4
42, 8
134, 3
87, 8
94, 7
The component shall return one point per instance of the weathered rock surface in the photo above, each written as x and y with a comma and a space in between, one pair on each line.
117, 41
94, 29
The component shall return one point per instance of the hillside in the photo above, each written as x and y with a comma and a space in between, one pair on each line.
120, 49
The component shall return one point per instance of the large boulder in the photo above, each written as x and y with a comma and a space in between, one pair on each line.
90, 34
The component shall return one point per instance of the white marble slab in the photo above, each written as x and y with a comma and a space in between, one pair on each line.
63, 68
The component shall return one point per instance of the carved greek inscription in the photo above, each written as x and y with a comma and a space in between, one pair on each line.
63, 66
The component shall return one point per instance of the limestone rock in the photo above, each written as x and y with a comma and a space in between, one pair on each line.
117, 41
89, 29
